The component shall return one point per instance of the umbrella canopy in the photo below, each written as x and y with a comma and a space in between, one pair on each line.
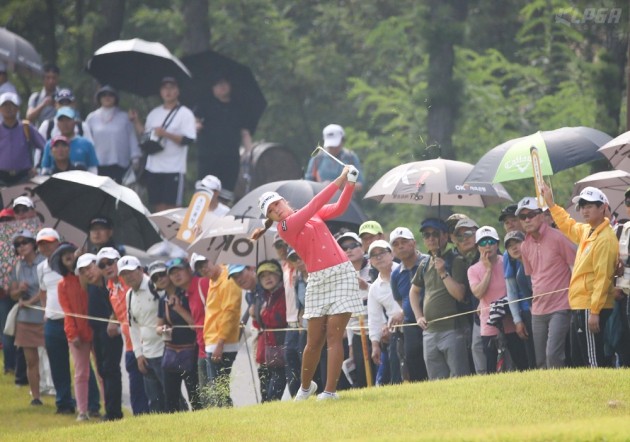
297, 193
613, 183
45, 218
18, 53
77, 196
227, 241
169, 221
246, 93
558, 150
136, 66
618, 151
436, 182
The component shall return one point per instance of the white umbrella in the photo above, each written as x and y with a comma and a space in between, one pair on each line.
170, 220
227, 242
617, 151
613, 183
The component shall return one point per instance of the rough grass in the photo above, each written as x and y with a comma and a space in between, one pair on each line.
577, 404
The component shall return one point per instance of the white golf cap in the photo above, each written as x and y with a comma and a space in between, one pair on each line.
349, 235
379, 243
107, 253
529, 202
591, 194
157, 267
128, 262
47, 234
23, 201
266, 199
486, 232
209, 183
85, 260
333, 134
10, 96
467, 223
195, 258
400, 232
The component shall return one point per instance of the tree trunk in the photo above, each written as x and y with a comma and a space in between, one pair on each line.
113, 13
197, 30
444, 31
50, 49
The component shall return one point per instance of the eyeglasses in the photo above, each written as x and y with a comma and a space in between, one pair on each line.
17, 244
106, 263
350, 246
157, 276
378, 255
176, 262
487, 242
21, 209
465, 235
435, 234
530, 215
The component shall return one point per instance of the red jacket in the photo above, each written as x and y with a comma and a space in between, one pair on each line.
273, 314
74, 299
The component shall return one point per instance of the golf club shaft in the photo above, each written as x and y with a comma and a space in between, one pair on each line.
329, 154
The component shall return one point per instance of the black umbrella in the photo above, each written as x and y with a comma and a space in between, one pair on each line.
246, 94
136, 66
558, 150
18, 53
77, 196
297, 193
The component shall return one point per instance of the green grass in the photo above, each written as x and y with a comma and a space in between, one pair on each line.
539, 405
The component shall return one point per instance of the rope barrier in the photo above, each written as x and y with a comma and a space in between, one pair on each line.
284, 329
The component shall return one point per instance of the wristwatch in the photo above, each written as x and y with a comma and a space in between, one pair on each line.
446, 275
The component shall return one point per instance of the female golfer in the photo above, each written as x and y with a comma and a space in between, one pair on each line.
332, 293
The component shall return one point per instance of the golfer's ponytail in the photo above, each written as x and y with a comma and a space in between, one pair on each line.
261, 230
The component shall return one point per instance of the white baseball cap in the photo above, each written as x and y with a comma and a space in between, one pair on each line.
85, 260
23, 201
10, 96
486, 232
333, 134
465, 223
349, 235
107, 253
592, 194
195, 258
401, 232
128, 262
266, 199
209, 183
529, 202
157, 267
47, 234
379, 243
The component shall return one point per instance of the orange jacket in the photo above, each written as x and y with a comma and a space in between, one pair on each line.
74, 300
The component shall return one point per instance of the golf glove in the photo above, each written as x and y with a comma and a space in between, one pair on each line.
353, 174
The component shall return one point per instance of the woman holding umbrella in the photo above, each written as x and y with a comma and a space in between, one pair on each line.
332, 294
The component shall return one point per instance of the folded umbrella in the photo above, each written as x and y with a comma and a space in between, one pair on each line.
136, 66
78, 196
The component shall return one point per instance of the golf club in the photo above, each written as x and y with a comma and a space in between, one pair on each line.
327, 153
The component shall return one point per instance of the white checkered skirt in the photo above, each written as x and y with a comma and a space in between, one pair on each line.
332, 291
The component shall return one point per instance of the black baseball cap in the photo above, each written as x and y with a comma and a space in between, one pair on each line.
508, 211
101, 221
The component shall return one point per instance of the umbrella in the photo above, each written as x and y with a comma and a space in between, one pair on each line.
618, 151
436, 182
246, 93
558, 150
19, 53
227, 242
613, 183
169, 221
136, 66
297, 193
77, 196
67, 231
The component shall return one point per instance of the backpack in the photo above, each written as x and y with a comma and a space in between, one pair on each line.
154, 292
51, 126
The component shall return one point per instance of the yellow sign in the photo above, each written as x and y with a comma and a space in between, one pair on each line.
197, 210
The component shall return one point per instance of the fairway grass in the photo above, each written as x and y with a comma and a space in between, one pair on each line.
572, 404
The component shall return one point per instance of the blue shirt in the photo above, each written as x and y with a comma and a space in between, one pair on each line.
322, 168
81, 152
401, 284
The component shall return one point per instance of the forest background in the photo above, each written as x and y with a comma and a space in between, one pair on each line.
407, 79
